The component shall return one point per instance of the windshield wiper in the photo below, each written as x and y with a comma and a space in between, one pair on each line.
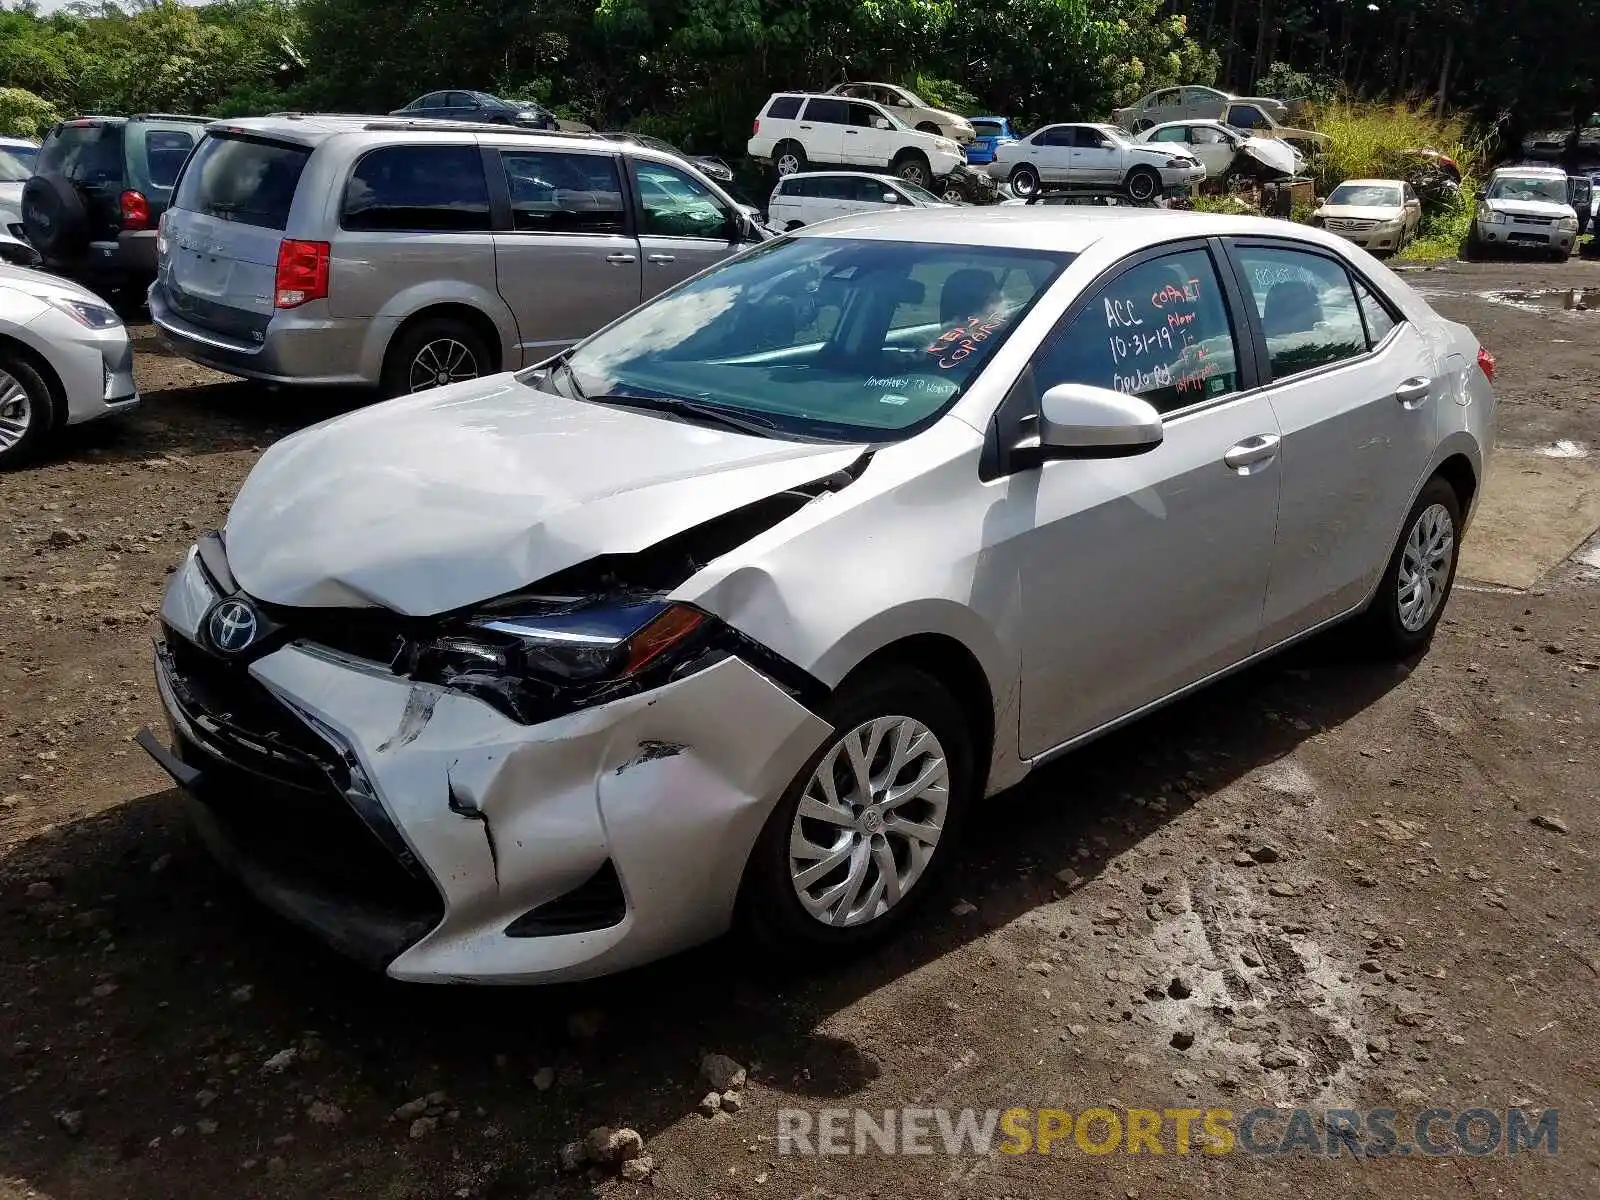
711, 414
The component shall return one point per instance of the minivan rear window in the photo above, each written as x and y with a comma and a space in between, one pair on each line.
242, 179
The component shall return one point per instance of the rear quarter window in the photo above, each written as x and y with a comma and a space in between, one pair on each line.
156, 155
242, 179
418, 189
784, 108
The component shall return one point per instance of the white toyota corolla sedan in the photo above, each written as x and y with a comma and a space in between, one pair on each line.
736, 612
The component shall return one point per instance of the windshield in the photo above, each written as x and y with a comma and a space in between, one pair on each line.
1515, 187
833, 338
1366, 195
918, 193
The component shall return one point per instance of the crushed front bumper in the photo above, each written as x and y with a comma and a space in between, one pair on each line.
471, 829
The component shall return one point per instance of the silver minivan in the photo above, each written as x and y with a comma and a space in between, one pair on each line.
405, 254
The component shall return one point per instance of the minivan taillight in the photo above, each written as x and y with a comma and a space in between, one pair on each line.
302, 273
135, 211
755, 128
1486, 364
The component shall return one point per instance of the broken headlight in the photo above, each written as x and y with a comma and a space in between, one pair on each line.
537, 664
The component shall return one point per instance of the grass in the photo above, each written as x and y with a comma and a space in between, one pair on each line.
1374, 141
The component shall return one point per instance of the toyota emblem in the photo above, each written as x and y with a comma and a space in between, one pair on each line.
233, 626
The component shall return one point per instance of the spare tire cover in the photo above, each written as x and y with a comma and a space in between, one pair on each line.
53, 215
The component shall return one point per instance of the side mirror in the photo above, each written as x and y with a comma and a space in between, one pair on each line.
1079, 421
880, 123
1480, 194
891, 198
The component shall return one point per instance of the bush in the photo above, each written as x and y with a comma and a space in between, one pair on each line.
22, 114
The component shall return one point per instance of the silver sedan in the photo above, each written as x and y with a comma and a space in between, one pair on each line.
65, 358
737, 611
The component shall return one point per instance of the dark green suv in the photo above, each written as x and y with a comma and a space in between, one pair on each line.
98, 191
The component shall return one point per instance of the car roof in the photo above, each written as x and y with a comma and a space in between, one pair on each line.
1066, 228
1531, 169
1374, 182
311, 128
881, 178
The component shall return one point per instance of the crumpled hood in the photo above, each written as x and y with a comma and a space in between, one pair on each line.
456, 496
1278, 155
1531, 208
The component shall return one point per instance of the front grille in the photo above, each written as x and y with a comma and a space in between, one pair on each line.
374, 635
1351, 225
1533, 220
283, 796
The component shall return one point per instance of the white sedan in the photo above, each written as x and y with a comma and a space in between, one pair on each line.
1224, 150
544, 675
1379, 214
65, 357
1082, 155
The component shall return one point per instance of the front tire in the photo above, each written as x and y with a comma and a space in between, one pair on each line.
1143, 184
860, 837
1415, 587
26, 410
912, 166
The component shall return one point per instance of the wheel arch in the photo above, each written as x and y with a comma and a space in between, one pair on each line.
454, 310
41, 364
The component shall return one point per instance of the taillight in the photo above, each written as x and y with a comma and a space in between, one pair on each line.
755, 127
135, 211
302, 273
1486, 364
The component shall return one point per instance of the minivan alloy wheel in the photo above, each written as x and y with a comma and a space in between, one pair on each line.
869, 820
16, 411
440, 362
1425, 567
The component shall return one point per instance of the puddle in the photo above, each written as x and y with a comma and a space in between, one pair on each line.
1566, 448
1549, 300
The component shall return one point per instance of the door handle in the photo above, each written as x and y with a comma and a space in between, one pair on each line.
852, 132
661, 258
1252, 452
622, 258
805, 127
1413, 391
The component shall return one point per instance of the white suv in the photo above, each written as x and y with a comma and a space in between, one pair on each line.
1525, 207
795, 130
817, 195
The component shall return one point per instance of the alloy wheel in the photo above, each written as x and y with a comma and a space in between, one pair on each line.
440, 362
788, 163
869, 820
1425, 567
16, 411
912, 172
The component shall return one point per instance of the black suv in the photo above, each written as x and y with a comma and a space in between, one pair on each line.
98, 191
478, 106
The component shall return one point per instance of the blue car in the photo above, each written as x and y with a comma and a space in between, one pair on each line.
992, 132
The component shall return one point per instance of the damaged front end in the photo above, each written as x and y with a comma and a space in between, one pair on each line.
563, 781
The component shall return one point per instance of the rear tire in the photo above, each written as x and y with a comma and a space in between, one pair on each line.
27, 410
1415, 588
788, 158
1024, 180
909, 703
432, 353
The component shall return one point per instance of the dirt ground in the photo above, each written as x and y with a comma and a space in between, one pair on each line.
1373, 886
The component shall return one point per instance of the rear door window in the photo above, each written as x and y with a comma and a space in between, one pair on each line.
828, 111
418, 189
242, 179
563, 192
1308, 310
